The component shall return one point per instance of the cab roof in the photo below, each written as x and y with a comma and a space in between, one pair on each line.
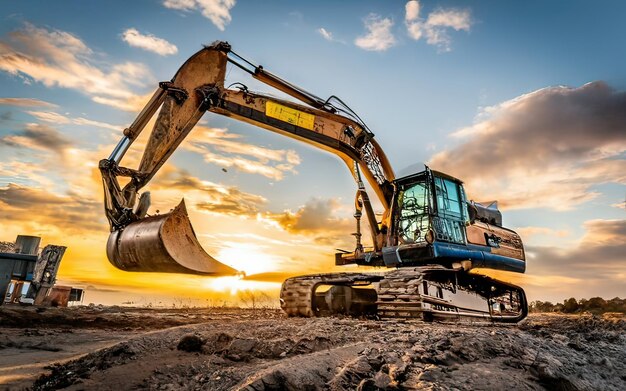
417, 175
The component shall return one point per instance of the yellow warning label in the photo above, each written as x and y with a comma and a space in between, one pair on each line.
287, 114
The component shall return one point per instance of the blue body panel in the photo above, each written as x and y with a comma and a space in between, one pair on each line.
480, 256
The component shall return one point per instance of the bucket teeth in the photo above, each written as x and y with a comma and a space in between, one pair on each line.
165, 244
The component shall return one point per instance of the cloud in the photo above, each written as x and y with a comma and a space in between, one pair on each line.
50, 116
412, 10
185, 5
329, 36
22, 197
233, 203
59, 59
99, 124
133, 103
228, 150
379, 36
326, 34
44, 211
51, 161
209, 196
452, 18
527, 232
545, 149
434, 28
318, 218
37, 136
56, 118
605, 233
25, 102
217, 11
24, 173
597, 263
149, 42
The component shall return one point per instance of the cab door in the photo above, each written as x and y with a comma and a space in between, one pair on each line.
452, 216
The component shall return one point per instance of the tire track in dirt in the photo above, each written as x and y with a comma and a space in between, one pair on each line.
544, 352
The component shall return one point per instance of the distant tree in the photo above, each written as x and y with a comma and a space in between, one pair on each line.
534, 306
616, 305
541, 306
570, 305
596, 304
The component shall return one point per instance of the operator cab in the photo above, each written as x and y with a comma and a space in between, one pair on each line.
430, 206
433, 223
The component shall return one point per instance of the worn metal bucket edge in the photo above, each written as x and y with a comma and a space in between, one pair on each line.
165, 244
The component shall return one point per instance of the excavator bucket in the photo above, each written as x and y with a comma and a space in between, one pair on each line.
166, 244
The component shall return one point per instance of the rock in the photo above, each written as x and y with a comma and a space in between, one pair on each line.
367, 385
382, 380
190, 343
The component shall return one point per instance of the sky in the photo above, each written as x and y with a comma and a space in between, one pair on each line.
523, 101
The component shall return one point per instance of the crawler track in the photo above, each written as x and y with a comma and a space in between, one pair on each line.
297, 294
398, 292
399, 296
428, 293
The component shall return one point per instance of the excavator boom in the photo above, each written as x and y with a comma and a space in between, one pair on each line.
155, 243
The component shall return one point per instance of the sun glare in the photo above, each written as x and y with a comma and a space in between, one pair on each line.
247, 257
235, 284
232, 284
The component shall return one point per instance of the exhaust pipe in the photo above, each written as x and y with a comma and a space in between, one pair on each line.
164, 244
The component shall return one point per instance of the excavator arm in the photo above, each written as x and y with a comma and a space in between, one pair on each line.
167, 243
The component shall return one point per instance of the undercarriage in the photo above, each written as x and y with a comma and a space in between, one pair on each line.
428, 293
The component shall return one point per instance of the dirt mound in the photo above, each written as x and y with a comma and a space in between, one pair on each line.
546, 351
115, 317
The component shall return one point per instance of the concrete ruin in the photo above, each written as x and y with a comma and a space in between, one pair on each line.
28, 275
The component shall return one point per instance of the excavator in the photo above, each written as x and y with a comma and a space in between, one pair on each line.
429, 238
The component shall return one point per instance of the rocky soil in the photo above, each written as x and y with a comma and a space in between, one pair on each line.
230, 349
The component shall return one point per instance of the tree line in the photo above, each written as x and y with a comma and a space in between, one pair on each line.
595, 305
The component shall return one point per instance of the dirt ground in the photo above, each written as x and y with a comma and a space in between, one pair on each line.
114, 348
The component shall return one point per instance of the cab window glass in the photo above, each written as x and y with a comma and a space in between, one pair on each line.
448, 199
450, 222
413, 219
